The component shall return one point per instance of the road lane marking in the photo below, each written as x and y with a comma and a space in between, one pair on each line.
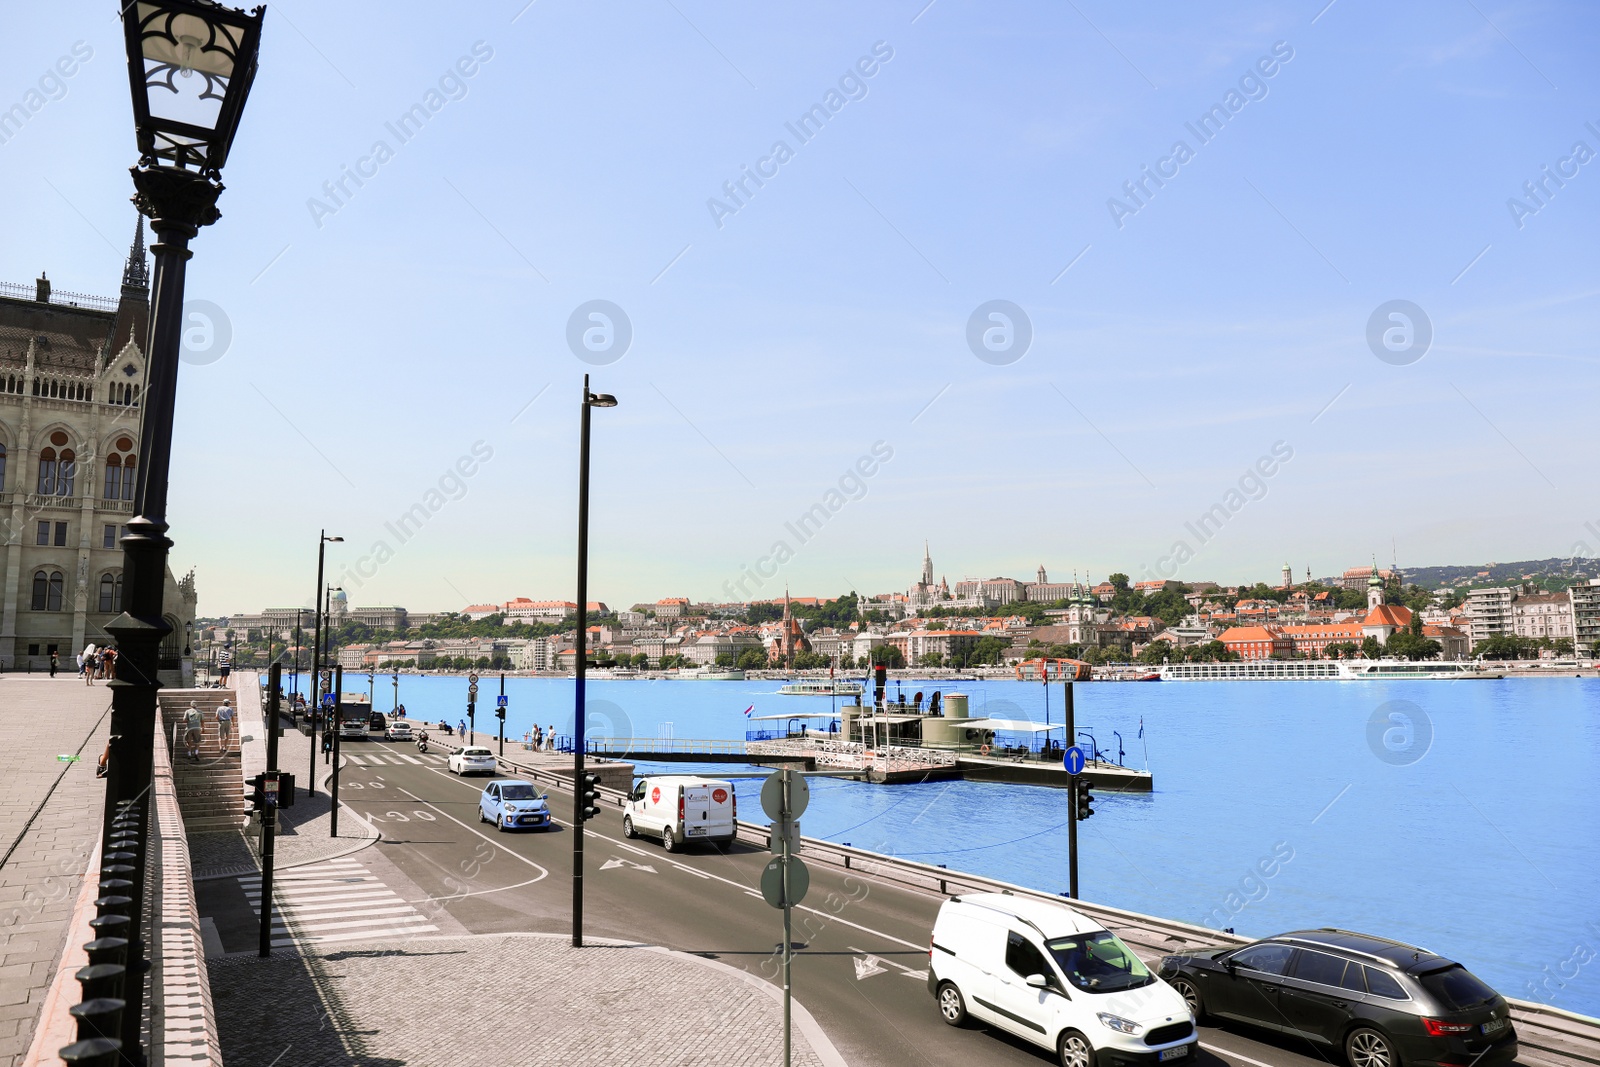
1217, 1050
714, 877
473, 830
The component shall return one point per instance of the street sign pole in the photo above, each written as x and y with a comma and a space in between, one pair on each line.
1070, 719
336, 722
500, 710
788, 913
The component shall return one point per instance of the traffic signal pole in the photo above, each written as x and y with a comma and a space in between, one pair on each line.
335, 720
1070, 719
269, 806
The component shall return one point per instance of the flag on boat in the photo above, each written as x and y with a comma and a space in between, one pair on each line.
1141, 726
748, 710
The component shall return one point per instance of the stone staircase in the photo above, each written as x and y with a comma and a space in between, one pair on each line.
210, 789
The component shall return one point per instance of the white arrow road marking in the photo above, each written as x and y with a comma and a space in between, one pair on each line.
609, 864
867, 966
618, 861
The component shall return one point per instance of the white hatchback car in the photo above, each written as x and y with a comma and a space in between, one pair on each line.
398, 730
472, 761
1057, 978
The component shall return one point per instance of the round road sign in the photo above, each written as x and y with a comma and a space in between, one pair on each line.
772, 795
1072, 760
772, 882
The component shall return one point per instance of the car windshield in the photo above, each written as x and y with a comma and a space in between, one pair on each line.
1457, 988
518, 792
1099, 962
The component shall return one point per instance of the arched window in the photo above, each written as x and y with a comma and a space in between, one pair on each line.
47, 472
110, 592
47, 589
57, 466
2, 468
120, 470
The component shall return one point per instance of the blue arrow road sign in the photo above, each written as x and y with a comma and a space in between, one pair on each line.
1073, 761
501, 701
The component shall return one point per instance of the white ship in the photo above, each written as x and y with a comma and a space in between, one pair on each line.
1326, 670
821, 688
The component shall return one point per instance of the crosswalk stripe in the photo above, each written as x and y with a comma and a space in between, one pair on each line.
326, 898
411, 759
334, 900
286, 942
320, 922
359, 761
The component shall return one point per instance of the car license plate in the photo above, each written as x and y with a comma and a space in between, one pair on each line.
1494, 1026
1174, 1053
695, 831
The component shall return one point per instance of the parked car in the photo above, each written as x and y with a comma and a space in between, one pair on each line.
514, 804
376, 721
1383, 1003
398, 730
679, 808
1057, 978
471, 760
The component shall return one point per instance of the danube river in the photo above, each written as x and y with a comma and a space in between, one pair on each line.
1463, 816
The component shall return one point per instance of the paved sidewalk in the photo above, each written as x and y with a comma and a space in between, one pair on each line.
302, 829
501, 999
39, 882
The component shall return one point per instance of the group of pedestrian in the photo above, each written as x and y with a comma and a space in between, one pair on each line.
92, 663
194, 727
540, 739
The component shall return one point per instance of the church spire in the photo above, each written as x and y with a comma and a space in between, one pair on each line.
137, 274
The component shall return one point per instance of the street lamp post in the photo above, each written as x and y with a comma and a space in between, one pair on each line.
190, 68
316, 662
590, 400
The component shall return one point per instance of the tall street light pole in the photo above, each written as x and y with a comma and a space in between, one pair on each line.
190, 69
590, 400
316, 662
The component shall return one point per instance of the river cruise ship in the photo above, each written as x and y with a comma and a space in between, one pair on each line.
1324, 669
821, 688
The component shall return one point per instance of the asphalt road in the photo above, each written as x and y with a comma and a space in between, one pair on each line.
861, 945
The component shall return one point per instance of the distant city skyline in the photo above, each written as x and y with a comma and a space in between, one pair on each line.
1081, 275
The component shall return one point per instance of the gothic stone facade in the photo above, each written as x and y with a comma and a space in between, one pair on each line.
71, 378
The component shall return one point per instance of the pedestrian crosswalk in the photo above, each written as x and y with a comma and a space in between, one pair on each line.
334, 900
385, 759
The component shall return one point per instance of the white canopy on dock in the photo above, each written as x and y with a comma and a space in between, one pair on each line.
1020, 725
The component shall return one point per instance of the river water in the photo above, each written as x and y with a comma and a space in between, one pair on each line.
1462, 816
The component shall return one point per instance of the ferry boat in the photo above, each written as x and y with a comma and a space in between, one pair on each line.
711, 674
821, 688
1325, 669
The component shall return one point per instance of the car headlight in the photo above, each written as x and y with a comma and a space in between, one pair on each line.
1118, 1023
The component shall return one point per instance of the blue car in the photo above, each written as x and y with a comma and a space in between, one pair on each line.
512, 804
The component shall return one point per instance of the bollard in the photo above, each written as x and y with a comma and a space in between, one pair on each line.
112, 905
110, 925
98, 1018
95, 1052
102, 980
101, 950
115, 885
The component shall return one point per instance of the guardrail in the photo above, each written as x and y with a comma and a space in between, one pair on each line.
1548, 1036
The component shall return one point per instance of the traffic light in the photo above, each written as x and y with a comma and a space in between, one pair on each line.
1085, 799
589, 798
258, 797
500, 713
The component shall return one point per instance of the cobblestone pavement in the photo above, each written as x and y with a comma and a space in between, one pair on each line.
39, 881
496, 1000
302, 829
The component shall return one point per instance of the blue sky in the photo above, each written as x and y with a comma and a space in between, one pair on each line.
376, 339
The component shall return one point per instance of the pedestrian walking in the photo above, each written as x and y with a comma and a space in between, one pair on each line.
108, 663
225, 723
86, 665
461, 727
55, 661
224, 665
550, 738
192, 723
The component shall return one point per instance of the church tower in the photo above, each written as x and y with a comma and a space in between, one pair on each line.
927, 566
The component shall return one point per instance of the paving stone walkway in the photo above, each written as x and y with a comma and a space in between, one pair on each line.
39, 880
423, 1003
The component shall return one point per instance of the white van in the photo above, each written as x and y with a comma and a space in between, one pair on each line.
1052, 976
679, 808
